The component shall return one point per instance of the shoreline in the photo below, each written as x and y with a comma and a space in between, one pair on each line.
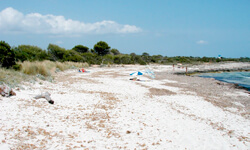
214, 68
217, 68
235, 85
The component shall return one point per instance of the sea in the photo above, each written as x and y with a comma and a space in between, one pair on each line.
240, 78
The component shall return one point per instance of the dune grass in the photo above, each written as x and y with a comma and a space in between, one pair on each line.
13, 78
33, 68
30, 70
47, 68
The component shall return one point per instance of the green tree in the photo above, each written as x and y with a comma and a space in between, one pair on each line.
138, 59
184, 60
133, 55
56, 53
7, 55
91, 58
101, 48
92, 51
81, 49
146, 57
157, 58
31, 53
117, 59
126, 59
115, 51
72, 55
167, 60
145, 54
204, 59
108, 59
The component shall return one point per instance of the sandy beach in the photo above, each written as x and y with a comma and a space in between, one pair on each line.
104, 109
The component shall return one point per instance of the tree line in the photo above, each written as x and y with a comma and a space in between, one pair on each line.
101, 53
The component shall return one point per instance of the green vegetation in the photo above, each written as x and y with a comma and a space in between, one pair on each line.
32, 60
100, 54
47, 68
30, 71
13, 78
101, 48
7, 55
81, 49
30, 53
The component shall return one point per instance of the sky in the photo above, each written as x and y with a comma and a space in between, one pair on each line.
158, 27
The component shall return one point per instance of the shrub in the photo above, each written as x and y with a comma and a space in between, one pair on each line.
16, 67
81, 49
72, 55
56, 53
30, 53
7, 55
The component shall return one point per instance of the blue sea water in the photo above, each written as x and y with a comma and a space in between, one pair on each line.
240, 78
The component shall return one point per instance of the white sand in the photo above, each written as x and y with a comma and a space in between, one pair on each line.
103, 109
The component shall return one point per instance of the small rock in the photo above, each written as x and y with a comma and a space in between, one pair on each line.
51, 102
128, 132
6, 91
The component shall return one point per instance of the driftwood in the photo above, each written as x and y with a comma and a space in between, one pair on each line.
45, 95
6, 91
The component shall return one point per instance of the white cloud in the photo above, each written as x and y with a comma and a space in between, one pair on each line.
12, 20
202, 42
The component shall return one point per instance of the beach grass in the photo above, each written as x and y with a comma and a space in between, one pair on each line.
12, 77
42, 69
47, 68
33, 68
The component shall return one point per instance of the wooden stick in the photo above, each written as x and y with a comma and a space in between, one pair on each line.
45, 95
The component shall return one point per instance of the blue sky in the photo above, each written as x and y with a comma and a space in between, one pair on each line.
166, 27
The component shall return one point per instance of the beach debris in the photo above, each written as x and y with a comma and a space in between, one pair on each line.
6, 91
45, 95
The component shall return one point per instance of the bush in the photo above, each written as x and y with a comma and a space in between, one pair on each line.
126, 59
56, 53
16, 67
72, 55
138, 59
91, 58
108, 59
30, 53
7, 55
81, 49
